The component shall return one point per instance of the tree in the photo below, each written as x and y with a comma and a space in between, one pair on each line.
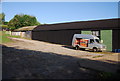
5, 23
2, 18
22, 20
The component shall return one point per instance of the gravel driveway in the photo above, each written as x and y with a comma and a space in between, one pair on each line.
51, 48
29, 59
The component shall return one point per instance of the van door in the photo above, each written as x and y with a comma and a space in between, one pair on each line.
91, 43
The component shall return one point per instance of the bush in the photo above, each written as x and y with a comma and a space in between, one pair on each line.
5, 23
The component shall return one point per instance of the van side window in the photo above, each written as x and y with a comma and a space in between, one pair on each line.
78, 40
91, 40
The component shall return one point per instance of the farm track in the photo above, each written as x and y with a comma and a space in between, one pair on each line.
29, 59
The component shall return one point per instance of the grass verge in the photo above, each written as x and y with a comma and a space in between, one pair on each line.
4, 37
104, 52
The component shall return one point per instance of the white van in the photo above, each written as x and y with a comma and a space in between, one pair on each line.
87, 41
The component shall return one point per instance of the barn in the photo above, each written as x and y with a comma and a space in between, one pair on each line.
25, 32
107, 30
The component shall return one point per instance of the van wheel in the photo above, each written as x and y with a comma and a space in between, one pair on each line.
77, 47
95, 49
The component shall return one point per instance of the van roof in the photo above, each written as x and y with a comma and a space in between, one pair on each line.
85, 36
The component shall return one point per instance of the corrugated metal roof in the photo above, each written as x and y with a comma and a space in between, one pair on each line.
82, 25
27, 28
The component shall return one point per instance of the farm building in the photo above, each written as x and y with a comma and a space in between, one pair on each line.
107, 30
25, 32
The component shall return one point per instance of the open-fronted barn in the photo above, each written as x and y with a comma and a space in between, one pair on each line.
107, 30
25, 32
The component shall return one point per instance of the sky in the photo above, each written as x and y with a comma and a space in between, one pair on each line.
60, 0
61, 12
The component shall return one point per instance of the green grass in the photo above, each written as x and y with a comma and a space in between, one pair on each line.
4, 37
108, 75
97, 56
15, 36
104, 52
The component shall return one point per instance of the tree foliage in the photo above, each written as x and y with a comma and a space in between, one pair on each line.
22, 20
2, 18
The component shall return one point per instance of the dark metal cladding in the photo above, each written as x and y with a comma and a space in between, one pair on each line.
62, 33
63, 37
116, 39
83, 25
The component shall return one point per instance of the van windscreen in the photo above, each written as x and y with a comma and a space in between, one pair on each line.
97, 40
91, 40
